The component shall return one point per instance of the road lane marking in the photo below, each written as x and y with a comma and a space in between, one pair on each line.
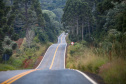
20, 76
13, 77
86, 76
55, 54
47, 51
43, 57
54, 57
65, 56
11, 80
92, 81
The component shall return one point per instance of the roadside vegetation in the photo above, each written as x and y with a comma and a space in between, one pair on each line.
26, 20
24, 57
95, 60
98, 29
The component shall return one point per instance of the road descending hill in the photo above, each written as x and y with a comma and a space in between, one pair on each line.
51, 70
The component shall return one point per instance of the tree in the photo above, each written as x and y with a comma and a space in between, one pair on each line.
28, 13
78, 18
6, 29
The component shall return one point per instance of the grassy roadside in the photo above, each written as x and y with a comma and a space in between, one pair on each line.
86, 59
25, 57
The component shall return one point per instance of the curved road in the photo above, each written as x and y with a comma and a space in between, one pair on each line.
51, 70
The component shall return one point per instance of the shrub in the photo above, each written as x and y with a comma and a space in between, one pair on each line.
14, 46
8, 51
89, 66
7, 54
72, 52
5, 67
36, 39
7, 40
83, 42
15, 37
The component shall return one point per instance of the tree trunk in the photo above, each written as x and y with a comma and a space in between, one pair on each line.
86, 28
30, 35
27, 37
11, 2
26, 11
82, 30
27, 28
89, 28
72, 30
77, 27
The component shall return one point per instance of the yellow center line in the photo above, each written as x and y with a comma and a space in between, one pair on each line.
54, 57
20, 76
55, 54
13, 77
11, 80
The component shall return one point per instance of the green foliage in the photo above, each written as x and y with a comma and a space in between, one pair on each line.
8, 52
115, 73
14, 46
51, 28
8, 41
6, 29
59, 13
43, 37
84, 58
36, 39
75, 48
51, 5
5, 67
102, 24
15, 37
83, 42
16, 62
78, 19
105, 5
50, 14
11, 19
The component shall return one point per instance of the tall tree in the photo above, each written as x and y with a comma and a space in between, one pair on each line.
7, 35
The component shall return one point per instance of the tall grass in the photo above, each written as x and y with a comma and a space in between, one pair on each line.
114, 72
82, 58
23, 53
5, 67
96, 60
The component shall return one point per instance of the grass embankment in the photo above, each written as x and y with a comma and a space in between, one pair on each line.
86, 59
24, 57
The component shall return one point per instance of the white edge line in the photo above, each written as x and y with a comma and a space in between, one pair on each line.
65, 55
86, 76
43, 57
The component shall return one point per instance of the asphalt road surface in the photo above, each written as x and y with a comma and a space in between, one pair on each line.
51, 70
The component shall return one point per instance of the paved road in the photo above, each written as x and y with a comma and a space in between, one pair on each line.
51, 70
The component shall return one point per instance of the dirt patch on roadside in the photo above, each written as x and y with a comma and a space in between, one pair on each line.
19, 42
38, 61
27, 63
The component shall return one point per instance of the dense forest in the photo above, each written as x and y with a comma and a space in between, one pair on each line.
37, 22
98, 28
97, 22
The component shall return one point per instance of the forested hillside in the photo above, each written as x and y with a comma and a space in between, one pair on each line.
104, 24
98, 28
25, 23
54, 8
